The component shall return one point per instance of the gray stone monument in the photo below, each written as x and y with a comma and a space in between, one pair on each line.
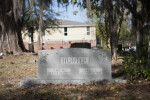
73, 65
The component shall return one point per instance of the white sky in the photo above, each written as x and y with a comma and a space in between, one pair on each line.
68, 14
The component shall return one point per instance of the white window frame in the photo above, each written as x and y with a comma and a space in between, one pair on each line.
88, 30
65, 31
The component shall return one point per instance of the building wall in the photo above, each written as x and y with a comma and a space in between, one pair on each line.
54, 38
74, 33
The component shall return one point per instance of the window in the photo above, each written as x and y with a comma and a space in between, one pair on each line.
65, 31
43, 44
88, 30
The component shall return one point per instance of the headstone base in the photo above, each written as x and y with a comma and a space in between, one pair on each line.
40, 81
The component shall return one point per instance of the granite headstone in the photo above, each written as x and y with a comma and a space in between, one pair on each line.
74, 65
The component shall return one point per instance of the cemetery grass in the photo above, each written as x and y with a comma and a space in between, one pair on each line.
13, 68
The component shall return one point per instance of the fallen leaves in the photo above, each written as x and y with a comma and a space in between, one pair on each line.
105, 89
117, 92
112, 88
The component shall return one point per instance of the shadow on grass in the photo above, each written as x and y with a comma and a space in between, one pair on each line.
61, 92
35, 54
33, 93
118, 71
43, 93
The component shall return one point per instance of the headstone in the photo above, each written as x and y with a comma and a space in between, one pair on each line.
73, 65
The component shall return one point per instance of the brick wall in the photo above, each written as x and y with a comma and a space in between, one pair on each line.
58, 44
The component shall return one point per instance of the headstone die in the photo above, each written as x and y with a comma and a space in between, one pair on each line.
74, 65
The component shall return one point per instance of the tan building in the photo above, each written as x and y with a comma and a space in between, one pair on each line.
64, 36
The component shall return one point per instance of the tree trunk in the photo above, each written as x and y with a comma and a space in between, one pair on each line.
20, 40
139, 38
149, 49
115, 22
32, 42
107, 31
110, 25
139, 30
9, 39
40, 27
115, 38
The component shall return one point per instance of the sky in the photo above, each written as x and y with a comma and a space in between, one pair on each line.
67, 13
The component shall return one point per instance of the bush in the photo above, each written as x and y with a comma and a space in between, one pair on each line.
136, 67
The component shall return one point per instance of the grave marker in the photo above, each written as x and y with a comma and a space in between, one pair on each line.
72, 65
